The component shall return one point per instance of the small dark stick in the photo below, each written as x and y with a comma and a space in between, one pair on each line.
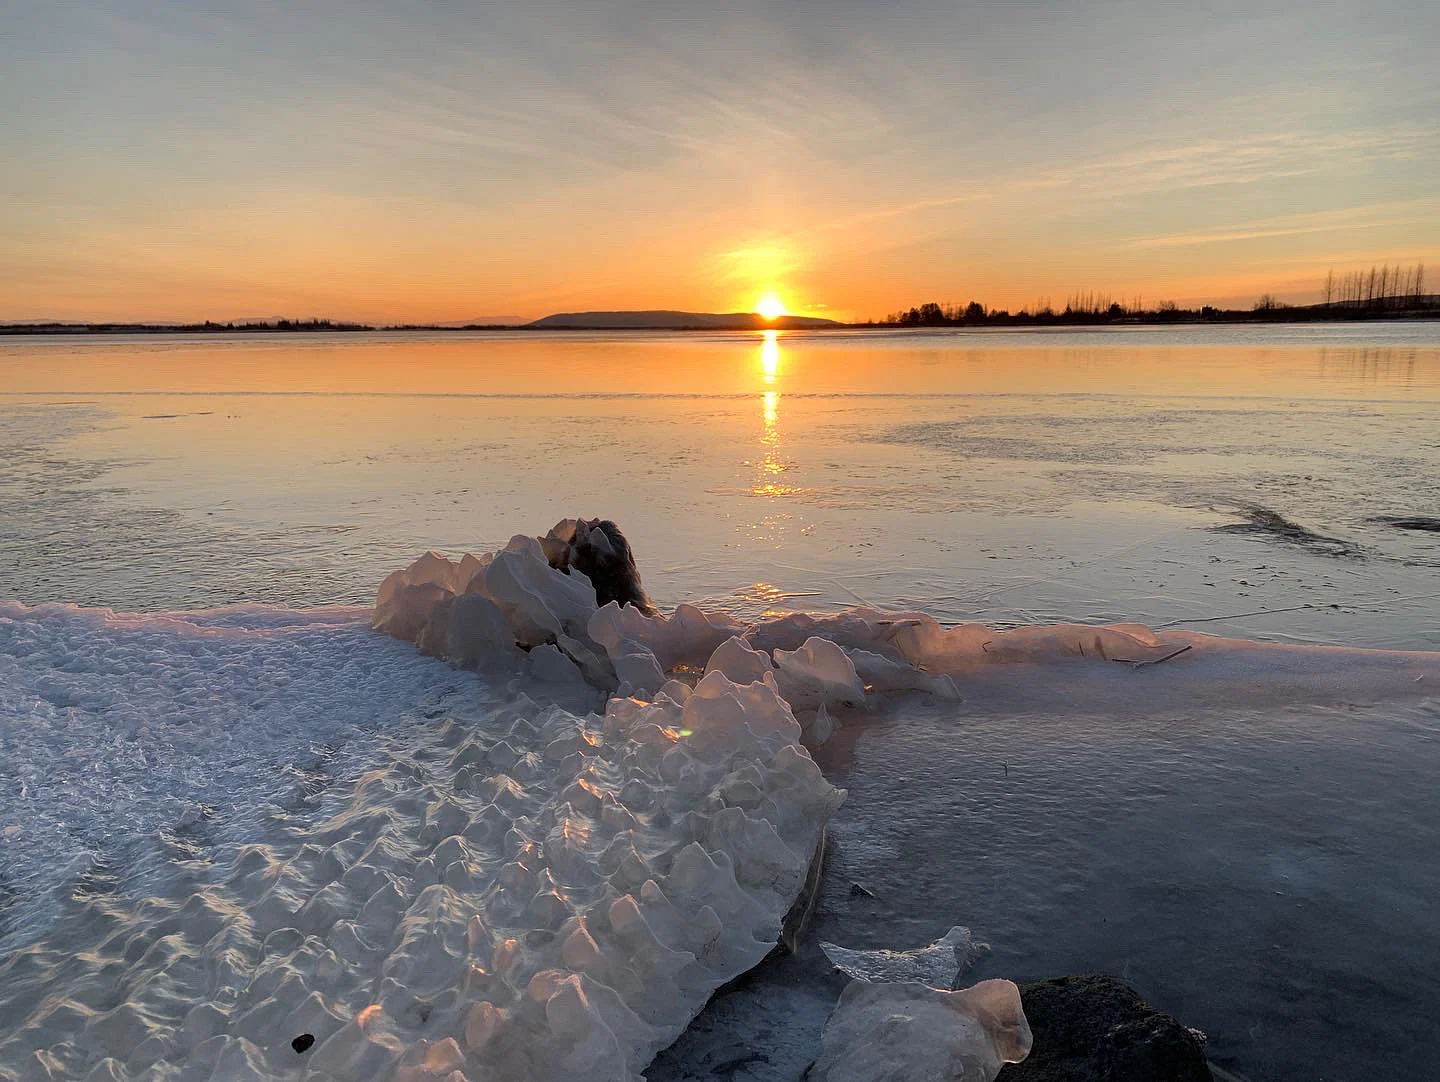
1152, 661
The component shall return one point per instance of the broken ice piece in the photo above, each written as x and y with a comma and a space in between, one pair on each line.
937, 964
911, 1033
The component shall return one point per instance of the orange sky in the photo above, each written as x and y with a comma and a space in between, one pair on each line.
203, 160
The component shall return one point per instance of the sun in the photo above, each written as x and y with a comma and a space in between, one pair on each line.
770, 306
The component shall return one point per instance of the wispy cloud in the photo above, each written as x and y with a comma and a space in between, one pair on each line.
1246, 160
515, 155
1372, 216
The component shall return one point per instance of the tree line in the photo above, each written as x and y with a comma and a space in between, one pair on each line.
1080, 307
1385, 287
1380, 290
210, 326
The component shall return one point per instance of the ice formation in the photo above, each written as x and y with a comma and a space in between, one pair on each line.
914, 1033
936, 964
478, 612
539, 872
523, 894
483, 611
818, 673
117, 730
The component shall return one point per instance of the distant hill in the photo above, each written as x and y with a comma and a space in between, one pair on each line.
675, 321
481, 321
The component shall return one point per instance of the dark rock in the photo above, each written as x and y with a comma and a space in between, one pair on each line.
303, 1042
1410, 522
1155, 1046
1098, 1029
1263, 522
596, 548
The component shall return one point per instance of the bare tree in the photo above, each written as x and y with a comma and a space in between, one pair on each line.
1382, 287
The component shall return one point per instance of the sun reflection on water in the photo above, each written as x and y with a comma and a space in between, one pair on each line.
770, 356
770, 465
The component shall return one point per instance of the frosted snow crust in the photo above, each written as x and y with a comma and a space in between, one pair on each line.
127, 739
529, 888
517, 892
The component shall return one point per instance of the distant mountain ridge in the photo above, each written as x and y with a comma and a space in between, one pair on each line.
480, 321
675, 321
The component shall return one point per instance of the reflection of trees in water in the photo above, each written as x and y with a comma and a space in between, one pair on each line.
1379, 364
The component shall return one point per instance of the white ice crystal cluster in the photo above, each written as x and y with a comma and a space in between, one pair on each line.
511, 608
523, 895
470, 610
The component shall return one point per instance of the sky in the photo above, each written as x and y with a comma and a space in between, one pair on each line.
439, 160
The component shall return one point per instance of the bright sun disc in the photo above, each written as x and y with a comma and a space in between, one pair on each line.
770, 306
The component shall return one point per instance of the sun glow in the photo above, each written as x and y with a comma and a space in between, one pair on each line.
770, 306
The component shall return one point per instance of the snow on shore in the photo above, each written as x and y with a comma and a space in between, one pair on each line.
514, 891
261, 843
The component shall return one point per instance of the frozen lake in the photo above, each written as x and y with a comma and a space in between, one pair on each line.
1264, 871
1003, 477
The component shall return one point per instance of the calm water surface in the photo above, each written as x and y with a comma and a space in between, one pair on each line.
1005, 477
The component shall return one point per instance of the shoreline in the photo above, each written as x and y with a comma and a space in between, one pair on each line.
1225, 319
893, 907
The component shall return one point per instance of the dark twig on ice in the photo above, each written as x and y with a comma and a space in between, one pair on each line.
1233, 616
1153, 660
